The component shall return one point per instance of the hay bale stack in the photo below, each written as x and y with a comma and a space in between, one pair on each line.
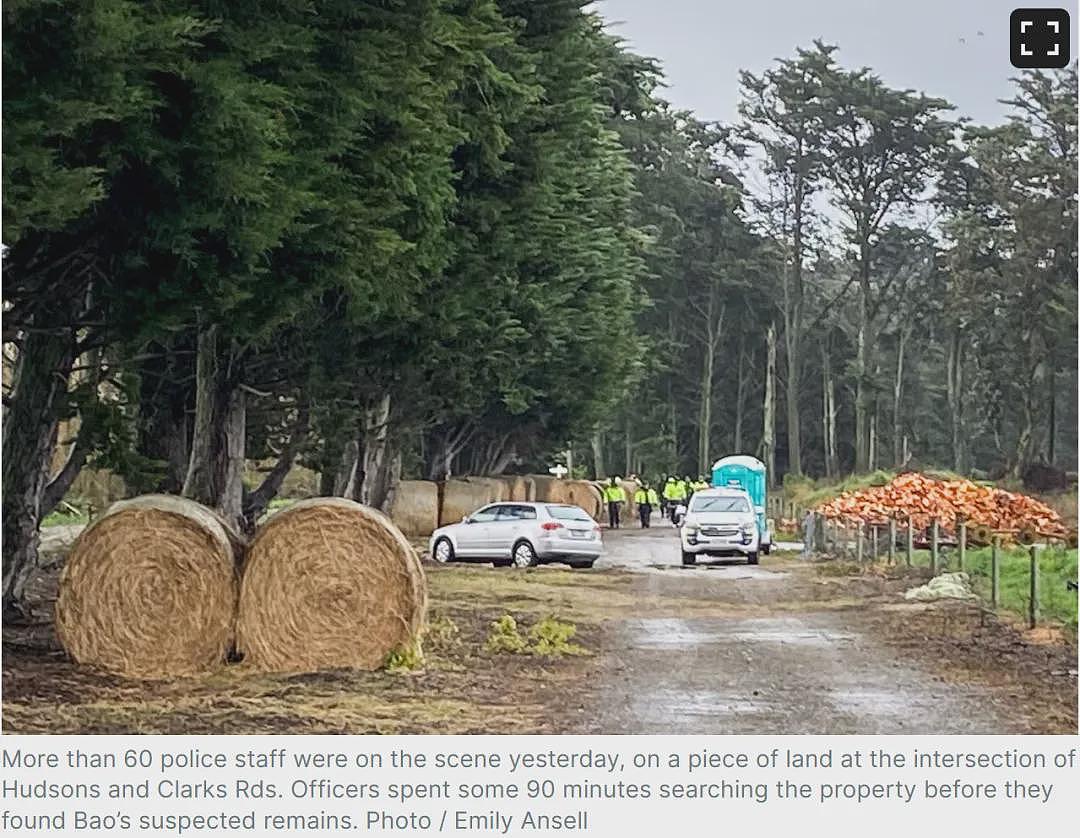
149, 590
498, 490
328, 584
577, 492
459, 498
414, 508
544, 488
518, 487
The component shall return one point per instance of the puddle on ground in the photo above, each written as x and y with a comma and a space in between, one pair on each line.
673, 632
682, 704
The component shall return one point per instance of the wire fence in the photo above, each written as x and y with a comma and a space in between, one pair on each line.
1010, 577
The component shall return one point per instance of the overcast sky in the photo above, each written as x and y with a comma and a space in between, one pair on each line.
909, 43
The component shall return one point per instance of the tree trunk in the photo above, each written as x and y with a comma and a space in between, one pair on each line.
346, 483
705, 407
628, 453
256, 502
768, 434
793, 318
216, 468
740, 397
375, 487
828, 386
862, 388
898, 395
598, 454
954, 390
1051, 430
39, 388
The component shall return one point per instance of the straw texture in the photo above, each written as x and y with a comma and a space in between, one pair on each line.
328, 584
149, 590
414, 508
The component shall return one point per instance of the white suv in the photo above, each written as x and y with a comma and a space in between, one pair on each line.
719, 522
521, 534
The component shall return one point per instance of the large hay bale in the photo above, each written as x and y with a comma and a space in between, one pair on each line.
414, 508
328, 584
518, 487
530, 488
149, 590
576, 492
544, 486
497, 489
461, 497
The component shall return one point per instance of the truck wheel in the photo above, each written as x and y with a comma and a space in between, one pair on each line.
752, 558
689, 558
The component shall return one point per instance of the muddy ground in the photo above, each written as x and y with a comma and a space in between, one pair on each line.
785, 647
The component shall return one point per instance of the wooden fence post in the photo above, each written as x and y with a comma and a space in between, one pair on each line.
873, 542
995, 573
892, 541
910, 541
1033, 602
934, 547
963, 545
859, 541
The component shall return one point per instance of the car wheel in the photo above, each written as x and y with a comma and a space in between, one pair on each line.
524, 555
582, 565
689, 558
752, 558
444, 551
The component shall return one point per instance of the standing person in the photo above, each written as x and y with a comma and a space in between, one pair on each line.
675, 492
687, 490
653, 500
644, 504
615, 497
663, 500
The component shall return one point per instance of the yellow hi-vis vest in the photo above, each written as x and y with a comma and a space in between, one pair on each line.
671, 490
614, 494
652, 498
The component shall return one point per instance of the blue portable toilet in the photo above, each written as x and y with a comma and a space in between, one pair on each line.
747, 473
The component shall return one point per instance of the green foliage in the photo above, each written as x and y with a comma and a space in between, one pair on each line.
549, 637
504, 637
407, 659
1056, 567
552, 637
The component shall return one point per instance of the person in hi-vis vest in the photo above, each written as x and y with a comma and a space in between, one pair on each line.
615, 497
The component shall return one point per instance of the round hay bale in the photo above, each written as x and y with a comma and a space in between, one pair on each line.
584, 494
497, 488
460, 498
414, 508
518, 487
149, 590
328, 584
545, 487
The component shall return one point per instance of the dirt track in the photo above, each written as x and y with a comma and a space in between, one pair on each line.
778, 662
785, 647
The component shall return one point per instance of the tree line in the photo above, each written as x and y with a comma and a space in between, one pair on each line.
417, 238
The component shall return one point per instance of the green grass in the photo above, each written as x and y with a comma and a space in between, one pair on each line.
64, 516
1056, 566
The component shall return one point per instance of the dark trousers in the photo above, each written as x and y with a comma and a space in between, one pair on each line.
644, 511
613, 514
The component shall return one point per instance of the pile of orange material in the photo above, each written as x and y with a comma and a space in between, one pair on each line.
922, 499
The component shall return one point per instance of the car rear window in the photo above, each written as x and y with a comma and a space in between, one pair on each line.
729, 503
568, 513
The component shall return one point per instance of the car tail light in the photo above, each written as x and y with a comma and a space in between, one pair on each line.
550, 525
